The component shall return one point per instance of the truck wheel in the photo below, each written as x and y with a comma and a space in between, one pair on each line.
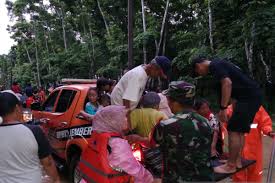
74, 172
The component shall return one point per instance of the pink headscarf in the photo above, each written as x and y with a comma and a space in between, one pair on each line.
163, 105
111, 119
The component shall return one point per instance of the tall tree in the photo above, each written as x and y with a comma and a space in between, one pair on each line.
144, 31
162, 27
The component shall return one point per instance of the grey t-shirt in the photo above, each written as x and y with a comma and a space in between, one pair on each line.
22, 147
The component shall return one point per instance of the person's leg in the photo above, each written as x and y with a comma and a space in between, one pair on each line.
239, 158
239, 124
234, 142
234, 152
235, 146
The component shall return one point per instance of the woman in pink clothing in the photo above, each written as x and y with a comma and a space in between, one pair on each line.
113, 119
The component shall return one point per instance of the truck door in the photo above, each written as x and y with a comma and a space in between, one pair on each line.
59, 119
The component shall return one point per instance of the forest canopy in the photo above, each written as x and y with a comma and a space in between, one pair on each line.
87, 38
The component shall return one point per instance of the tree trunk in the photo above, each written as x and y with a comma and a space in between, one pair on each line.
249, 57
144, 31
50, 38
48, 51
63, 29
103, 17
164, 41
156, 45
130, 34
249, 50
267, 69
27, 51
28, 54
11, 74
37, 59
162, 26
92, 71
91, 38
46, 42
210, 21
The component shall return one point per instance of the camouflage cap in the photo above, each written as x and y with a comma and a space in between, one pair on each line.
181, 91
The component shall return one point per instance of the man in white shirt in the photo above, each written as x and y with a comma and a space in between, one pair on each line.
130, 87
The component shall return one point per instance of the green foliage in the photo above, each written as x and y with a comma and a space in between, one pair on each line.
64, 38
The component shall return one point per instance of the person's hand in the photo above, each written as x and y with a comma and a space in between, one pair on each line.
214, 152
223, 116
133, 138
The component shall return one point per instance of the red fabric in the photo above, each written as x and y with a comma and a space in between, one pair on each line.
42, 96
16, 88
208, 115
253, 147
29, 102
96, 155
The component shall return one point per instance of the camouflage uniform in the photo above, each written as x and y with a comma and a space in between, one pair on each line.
185, 141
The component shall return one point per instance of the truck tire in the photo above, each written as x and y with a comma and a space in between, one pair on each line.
74, 173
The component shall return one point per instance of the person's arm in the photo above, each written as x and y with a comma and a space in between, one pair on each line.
44, 152
226, 91
126, 103
87, 116
216, 127
214, 143
226, 84
134, 138
122, 157
50, 168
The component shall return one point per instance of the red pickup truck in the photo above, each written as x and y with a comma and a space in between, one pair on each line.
65, 129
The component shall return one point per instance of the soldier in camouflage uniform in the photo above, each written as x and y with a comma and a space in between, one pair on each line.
185, 139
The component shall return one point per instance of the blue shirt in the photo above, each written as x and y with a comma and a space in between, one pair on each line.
91, 109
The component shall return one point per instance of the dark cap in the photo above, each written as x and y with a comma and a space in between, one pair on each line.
196, 60
164, 63
150, 99
181, 91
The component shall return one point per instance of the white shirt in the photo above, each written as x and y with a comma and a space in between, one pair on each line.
21, 149
130, 87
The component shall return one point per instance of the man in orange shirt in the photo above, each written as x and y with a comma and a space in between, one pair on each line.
252, 150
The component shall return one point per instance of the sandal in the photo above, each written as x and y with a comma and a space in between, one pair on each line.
223, 161
225, 169
239, 165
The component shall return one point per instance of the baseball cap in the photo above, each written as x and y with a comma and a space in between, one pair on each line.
164, 63
181, 91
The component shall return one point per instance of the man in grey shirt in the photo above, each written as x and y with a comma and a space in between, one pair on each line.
24, 148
